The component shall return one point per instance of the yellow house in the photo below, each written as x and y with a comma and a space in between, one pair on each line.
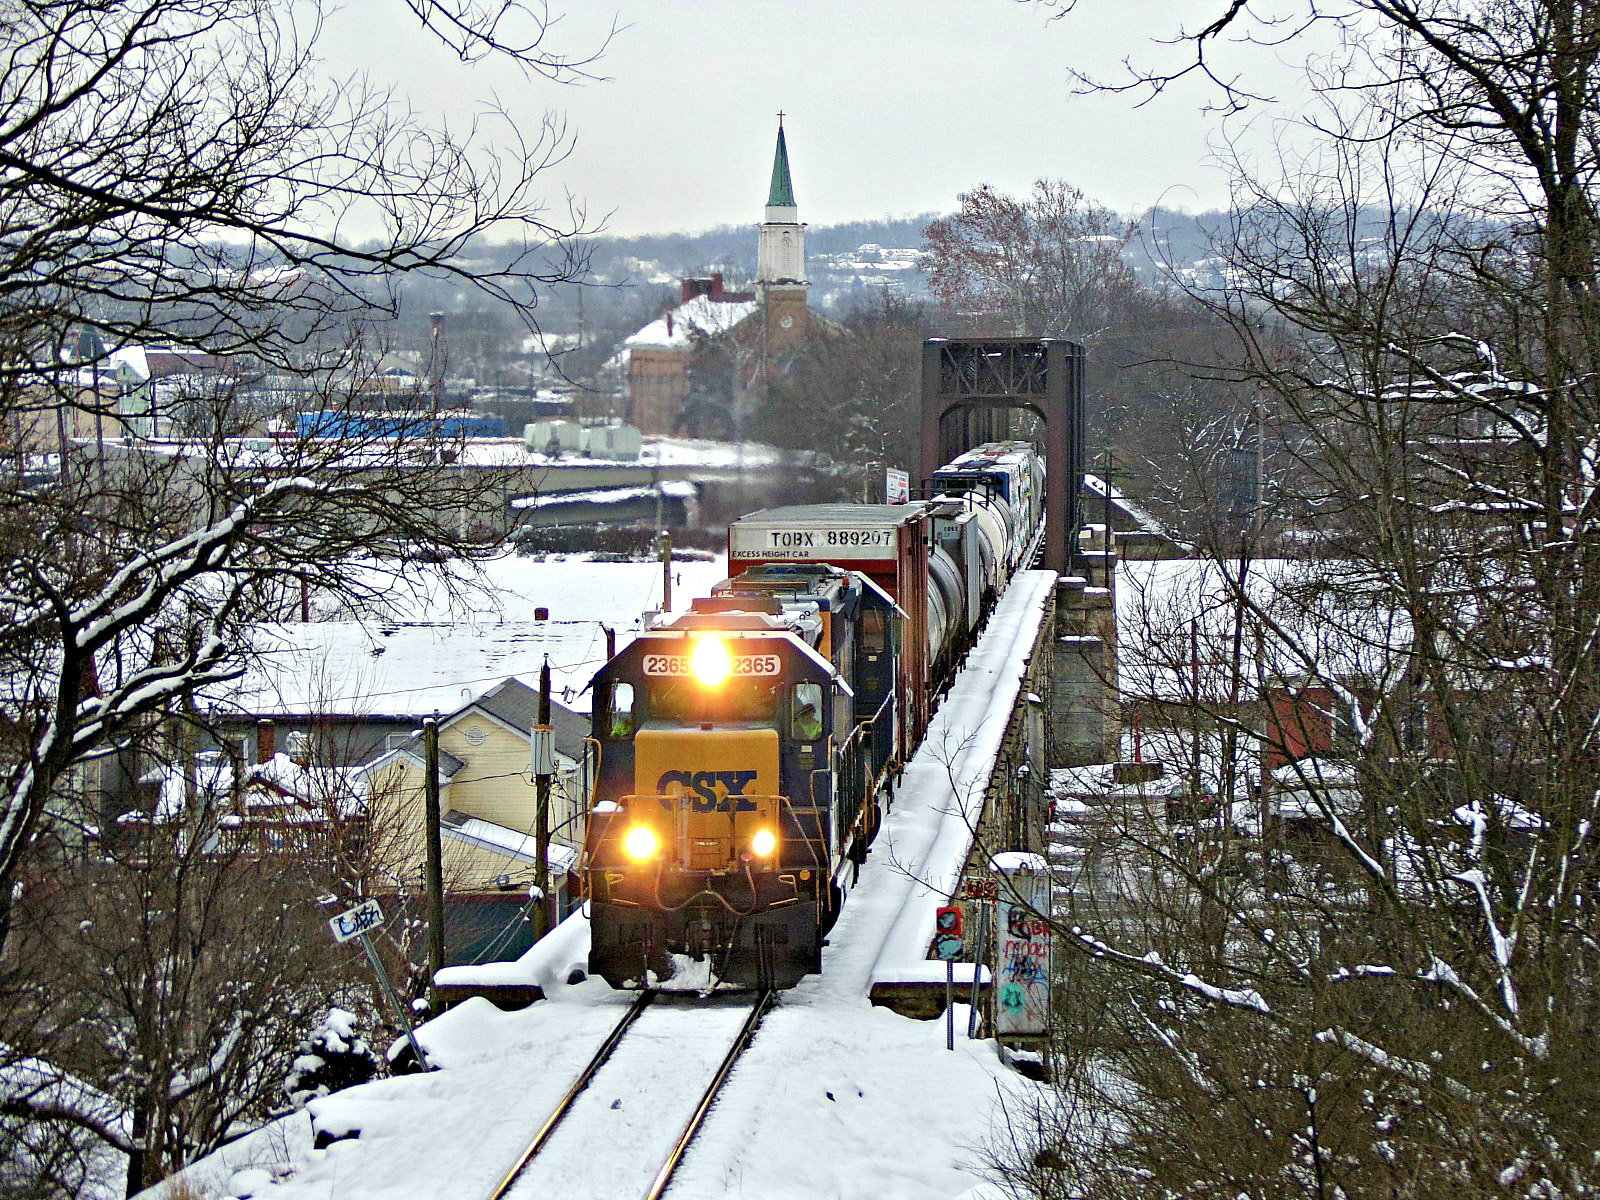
487, 797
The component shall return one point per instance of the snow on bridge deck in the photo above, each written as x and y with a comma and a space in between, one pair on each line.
916, 862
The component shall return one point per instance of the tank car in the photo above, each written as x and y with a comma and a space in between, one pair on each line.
1004, 478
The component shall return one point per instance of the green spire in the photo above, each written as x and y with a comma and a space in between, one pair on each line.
782, 194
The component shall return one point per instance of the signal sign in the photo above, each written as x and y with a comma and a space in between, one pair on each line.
948, 920
947, 933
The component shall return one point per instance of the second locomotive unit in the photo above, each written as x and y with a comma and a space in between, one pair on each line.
744, 747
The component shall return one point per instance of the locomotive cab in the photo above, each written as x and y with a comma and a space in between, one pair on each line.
712, 835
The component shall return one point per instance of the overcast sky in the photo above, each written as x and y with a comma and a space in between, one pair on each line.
893, 107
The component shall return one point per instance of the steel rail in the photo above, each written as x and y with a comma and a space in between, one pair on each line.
741, 1043
599, 1060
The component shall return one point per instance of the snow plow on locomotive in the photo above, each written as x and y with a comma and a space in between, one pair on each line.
745, 747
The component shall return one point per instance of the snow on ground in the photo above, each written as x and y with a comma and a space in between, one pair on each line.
851, 1102
504, 453
1176, 625
835, 1099
573, 588
844, 1101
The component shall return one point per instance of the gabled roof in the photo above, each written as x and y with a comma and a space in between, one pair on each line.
411, 748
517, 705
403, 671
155, 362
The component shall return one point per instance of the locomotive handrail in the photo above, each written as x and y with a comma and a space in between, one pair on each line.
594, 783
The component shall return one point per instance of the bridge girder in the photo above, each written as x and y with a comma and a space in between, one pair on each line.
963, 380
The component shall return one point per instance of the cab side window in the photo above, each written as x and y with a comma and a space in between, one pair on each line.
805, 712
874, 631
619, 712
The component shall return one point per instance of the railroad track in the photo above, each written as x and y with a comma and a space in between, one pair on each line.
675, 1051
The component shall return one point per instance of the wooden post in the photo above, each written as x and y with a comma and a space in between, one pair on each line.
541, 843
1194, 702
666, 572
434, 864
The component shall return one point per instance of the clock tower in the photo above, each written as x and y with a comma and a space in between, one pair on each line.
781, 284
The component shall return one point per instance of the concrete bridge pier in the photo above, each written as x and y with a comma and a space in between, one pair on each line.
1085, 718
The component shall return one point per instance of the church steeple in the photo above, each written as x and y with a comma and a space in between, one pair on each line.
781, 194
780, 254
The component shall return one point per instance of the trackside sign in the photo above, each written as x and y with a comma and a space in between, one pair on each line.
353, 922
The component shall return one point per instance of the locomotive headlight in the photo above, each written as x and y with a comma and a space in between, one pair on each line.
641, 843
710, 661
763, 843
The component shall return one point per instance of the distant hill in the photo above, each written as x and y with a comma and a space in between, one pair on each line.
630, 278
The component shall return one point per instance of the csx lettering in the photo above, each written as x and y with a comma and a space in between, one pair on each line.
702, 789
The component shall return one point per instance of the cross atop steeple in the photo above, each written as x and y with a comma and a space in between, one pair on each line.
780, 118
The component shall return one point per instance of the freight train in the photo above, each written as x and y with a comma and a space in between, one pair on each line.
745, 747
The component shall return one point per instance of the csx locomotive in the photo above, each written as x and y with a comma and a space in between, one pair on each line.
745, 746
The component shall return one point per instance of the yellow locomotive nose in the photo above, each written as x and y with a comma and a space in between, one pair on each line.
641, 843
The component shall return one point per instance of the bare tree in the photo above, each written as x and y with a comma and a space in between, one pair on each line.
854, 392
177, 173
1046, 264
162, 979
1053, 263
1390, 991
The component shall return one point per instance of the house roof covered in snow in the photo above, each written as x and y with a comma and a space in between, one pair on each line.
154, 362
1176, 621
406, 670
318, 788
513, 843
675, 330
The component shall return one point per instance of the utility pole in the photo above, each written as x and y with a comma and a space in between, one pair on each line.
1106, 561
434, 865
541, 835
666, 571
